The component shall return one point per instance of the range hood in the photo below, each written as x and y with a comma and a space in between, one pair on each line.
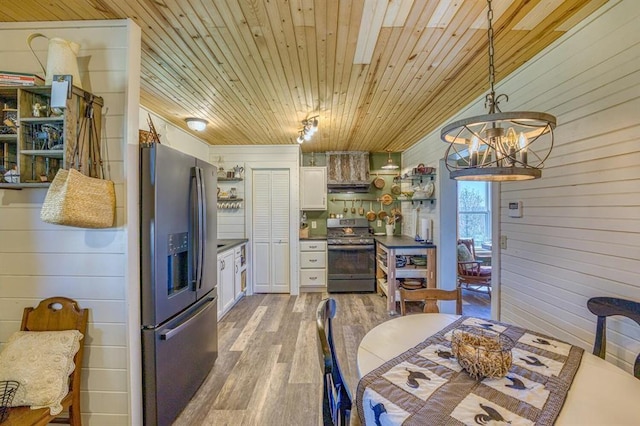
348, 171
348, 188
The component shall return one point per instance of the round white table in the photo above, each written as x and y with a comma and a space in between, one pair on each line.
601, 393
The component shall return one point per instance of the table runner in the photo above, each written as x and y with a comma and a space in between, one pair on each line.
426, 386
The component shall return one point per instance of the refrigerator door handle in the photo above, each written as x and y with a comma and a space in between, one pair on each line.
194, 232
171, 332
202, 225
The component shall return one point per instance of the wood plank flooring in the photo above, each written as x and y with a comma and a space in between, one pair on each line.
267, 371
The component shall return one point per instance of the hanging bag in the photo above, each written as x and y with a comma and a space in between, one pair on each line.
75, 199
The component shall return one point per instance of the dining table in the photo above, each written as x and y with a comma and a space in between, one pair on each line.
600, 393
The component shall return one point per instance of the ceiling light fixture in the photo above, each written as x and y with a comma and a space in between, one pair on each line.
498, 146
390, 165
196, 124
309, 127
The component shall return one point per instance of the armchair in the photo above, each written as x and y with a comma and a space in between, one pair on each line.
472, 275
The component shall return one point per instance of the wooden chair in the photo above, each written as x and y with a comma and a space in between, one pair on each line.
336, 400
471, 273
430, 297
55, 314
604, 307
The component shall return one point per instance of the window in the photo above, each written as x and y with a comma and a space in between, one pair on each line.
474, 211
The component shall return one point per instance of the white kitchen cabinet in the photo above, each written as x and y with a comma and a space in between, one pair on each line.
226, 294
313, 265
313, 188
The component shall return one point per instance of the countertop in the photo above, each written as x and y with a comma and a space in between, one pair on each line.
315, 237
224, 245
401, 241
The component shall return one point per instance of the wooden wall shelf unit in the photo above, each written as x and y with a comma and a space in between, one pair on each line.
36, 140
387, 274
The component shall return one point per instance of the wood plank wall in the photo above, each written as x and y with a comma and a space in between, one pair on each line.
580, 234
38, 260
238, 224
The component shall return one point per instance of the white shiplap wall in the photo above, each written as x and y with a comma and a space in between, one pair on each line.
38, 260
580, 234
238, 224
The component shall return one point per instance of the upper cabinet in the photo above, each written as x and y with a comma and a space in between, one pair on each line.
37, 140
313, 188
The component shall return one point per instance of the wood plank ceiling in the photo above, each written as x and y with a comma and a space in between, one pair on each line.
379, 74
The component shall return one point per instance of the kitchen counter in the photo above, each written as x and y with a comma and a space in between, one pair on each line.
315, 237
401, 241
224, 245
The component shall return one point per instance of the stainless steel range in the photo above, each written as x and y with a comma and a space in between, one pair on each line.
351, 254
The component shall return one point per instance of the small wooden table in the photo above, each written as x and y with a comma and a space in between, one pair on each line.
387, 248
601, 393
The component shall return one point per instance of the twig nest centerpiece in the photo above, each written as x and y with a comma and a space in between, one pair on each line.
482, 353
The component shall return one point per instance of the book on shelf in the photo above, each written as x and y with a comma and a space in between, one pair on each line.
8, 78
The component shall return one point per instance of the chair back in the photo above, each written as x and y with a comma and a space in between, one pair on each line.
430, 297
470, 244
58, 314
336, 400
604, 307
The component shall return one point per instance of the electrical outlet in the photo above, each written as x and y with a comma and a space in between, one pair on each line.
379, 223
314, 224
503, 242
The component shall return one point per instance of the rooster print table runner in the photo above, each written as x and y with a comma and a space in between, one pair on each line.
426, 386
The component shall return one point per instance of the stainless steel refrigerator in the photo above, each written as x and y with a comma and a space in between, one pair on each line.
178, 279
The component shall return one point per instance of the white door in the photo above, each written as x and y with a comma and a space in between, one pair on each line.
271, 231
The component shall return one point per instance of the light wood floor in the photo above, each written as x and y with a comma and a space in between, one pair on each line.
267, 371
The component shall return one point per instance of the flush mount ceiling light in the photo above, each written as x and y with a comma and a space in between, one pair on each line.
498, 146
390, 165
196, 124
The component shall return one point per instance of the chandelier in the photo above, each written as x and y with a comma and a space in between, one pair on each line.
498, 146
309, 127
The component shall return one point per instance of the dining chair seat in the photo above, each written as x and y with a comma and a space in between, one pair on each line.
604, 307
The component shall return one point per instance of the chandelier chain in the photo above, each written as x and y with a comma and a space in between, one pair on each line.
491, 100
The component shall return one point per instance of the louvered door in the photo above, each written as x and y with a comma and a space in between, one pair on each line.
270, 238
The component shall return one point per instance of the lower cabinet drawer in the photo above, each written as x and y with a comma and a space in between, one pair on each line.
313, 259
313, 277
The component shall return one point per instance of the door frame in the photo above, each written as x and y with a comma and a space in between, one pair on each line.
294, 204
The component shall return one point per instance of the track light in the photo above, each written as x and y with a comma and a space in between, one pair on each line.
309, 127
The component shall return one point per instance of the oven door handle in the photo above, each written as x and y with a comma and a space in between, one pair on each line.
350, 247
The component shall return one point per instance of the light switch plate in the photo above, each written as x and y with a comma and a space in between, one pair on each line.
503, 242
314, 224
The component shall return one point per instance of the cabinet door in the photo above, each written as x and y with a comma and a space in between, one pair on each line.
226, 284
237, 281
313, 188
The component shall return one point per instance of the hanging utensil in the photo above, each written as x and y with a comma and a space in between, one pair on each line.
361, 209
345, 209
353, 209
386, 199
382, 214
371, 215
378, 182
